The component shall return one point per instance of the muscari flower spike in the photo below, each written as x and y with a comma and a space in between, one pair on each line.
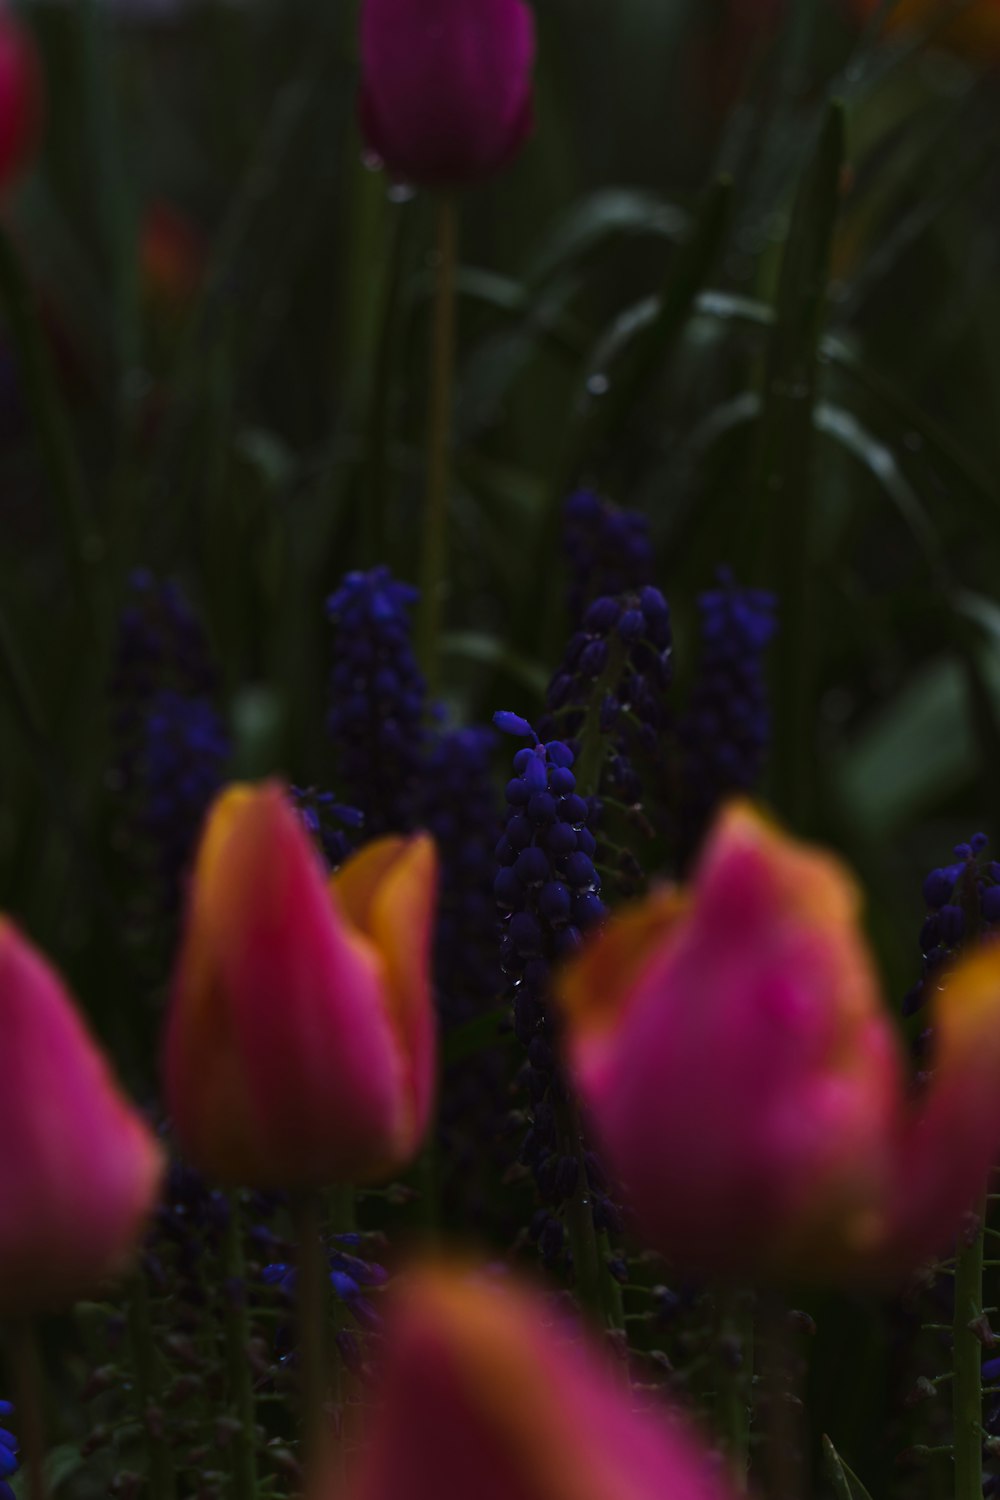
547, 891
378, 700
172, 744
608, 550
460, 809
9, 1462
725, 732
960, 897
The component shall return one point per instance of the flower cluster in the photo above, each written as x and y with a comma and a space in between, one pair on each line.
609, 702
608, 550
170, 740
962, 899
725, 730
548, 893
8, 1452
378, 700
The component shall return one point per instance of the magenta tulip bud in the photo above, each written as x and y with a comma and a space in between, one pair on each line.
747, 1082
301, 1042
80, 1170
446, 95
21, 96
486, 1394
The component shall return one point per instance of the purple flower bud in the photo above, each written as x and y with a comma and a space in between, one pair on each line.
446, 93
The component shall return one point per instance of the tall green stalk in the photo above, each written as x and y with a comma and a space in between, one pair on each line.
313, 1320
734, 1357
146, 1366
434, 560
27, 1380
967, 1387
237, 1330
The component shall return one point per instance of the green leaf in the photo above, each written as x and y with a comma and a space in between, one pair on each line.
846, 1483
605, 215
783, 512
477, 1036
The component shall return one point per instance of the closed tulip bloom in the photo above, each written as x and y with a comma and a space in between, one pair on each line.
21, 96
748, 1084
300, 1045
970, 29
485, 1395
80, 1170
446, 95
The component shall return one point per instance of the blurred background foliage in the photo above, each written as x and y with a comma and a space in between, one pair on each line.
234, 308
225, 381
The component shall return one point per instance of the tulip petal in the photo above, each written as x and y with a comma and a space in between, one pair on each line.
486, 1395
82, 1170
283, 1067
746, 1085
388, 891
953, 1138
446, 94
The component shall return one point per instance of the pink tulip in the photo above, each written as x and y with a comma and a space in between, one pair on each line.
486, 1395
748, 1085
300, 1047
80, 1171
21, 96
446, 86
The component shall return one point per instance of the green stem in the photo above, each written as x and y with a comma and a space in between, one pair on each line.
375, 523
313, 1317
342, 1221
733, 1379
147, 1382
598, 1291
243, 1443
56, 451
434, 559
967, 1391
27, 1376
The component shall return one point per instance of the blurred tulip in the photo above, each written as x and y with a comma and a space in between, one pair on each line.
748, 1085
300, 1047
970, 29
80, 1171
21, 96
447, 93
485, 1395
172, 256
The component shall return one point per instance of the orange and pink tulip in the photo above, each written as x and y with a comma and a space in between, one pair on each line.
301, 1044
80, 1170
485, 1393
747, 1082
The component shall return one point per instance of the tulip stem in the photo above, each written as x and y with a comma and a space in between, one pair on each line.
967, 1390
342, 1219
596, 1288
27, 1376
734, 1354
145, 1363
434, 558
313, 1310
237, 1325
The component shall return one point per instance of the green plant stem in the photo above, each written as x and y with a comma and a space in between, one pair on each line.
148, 1388
342, 1221
313, 1319
56, 451
243, 1444
434, 559
598, 1291
967, 1390
734, 1378
27, 1380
